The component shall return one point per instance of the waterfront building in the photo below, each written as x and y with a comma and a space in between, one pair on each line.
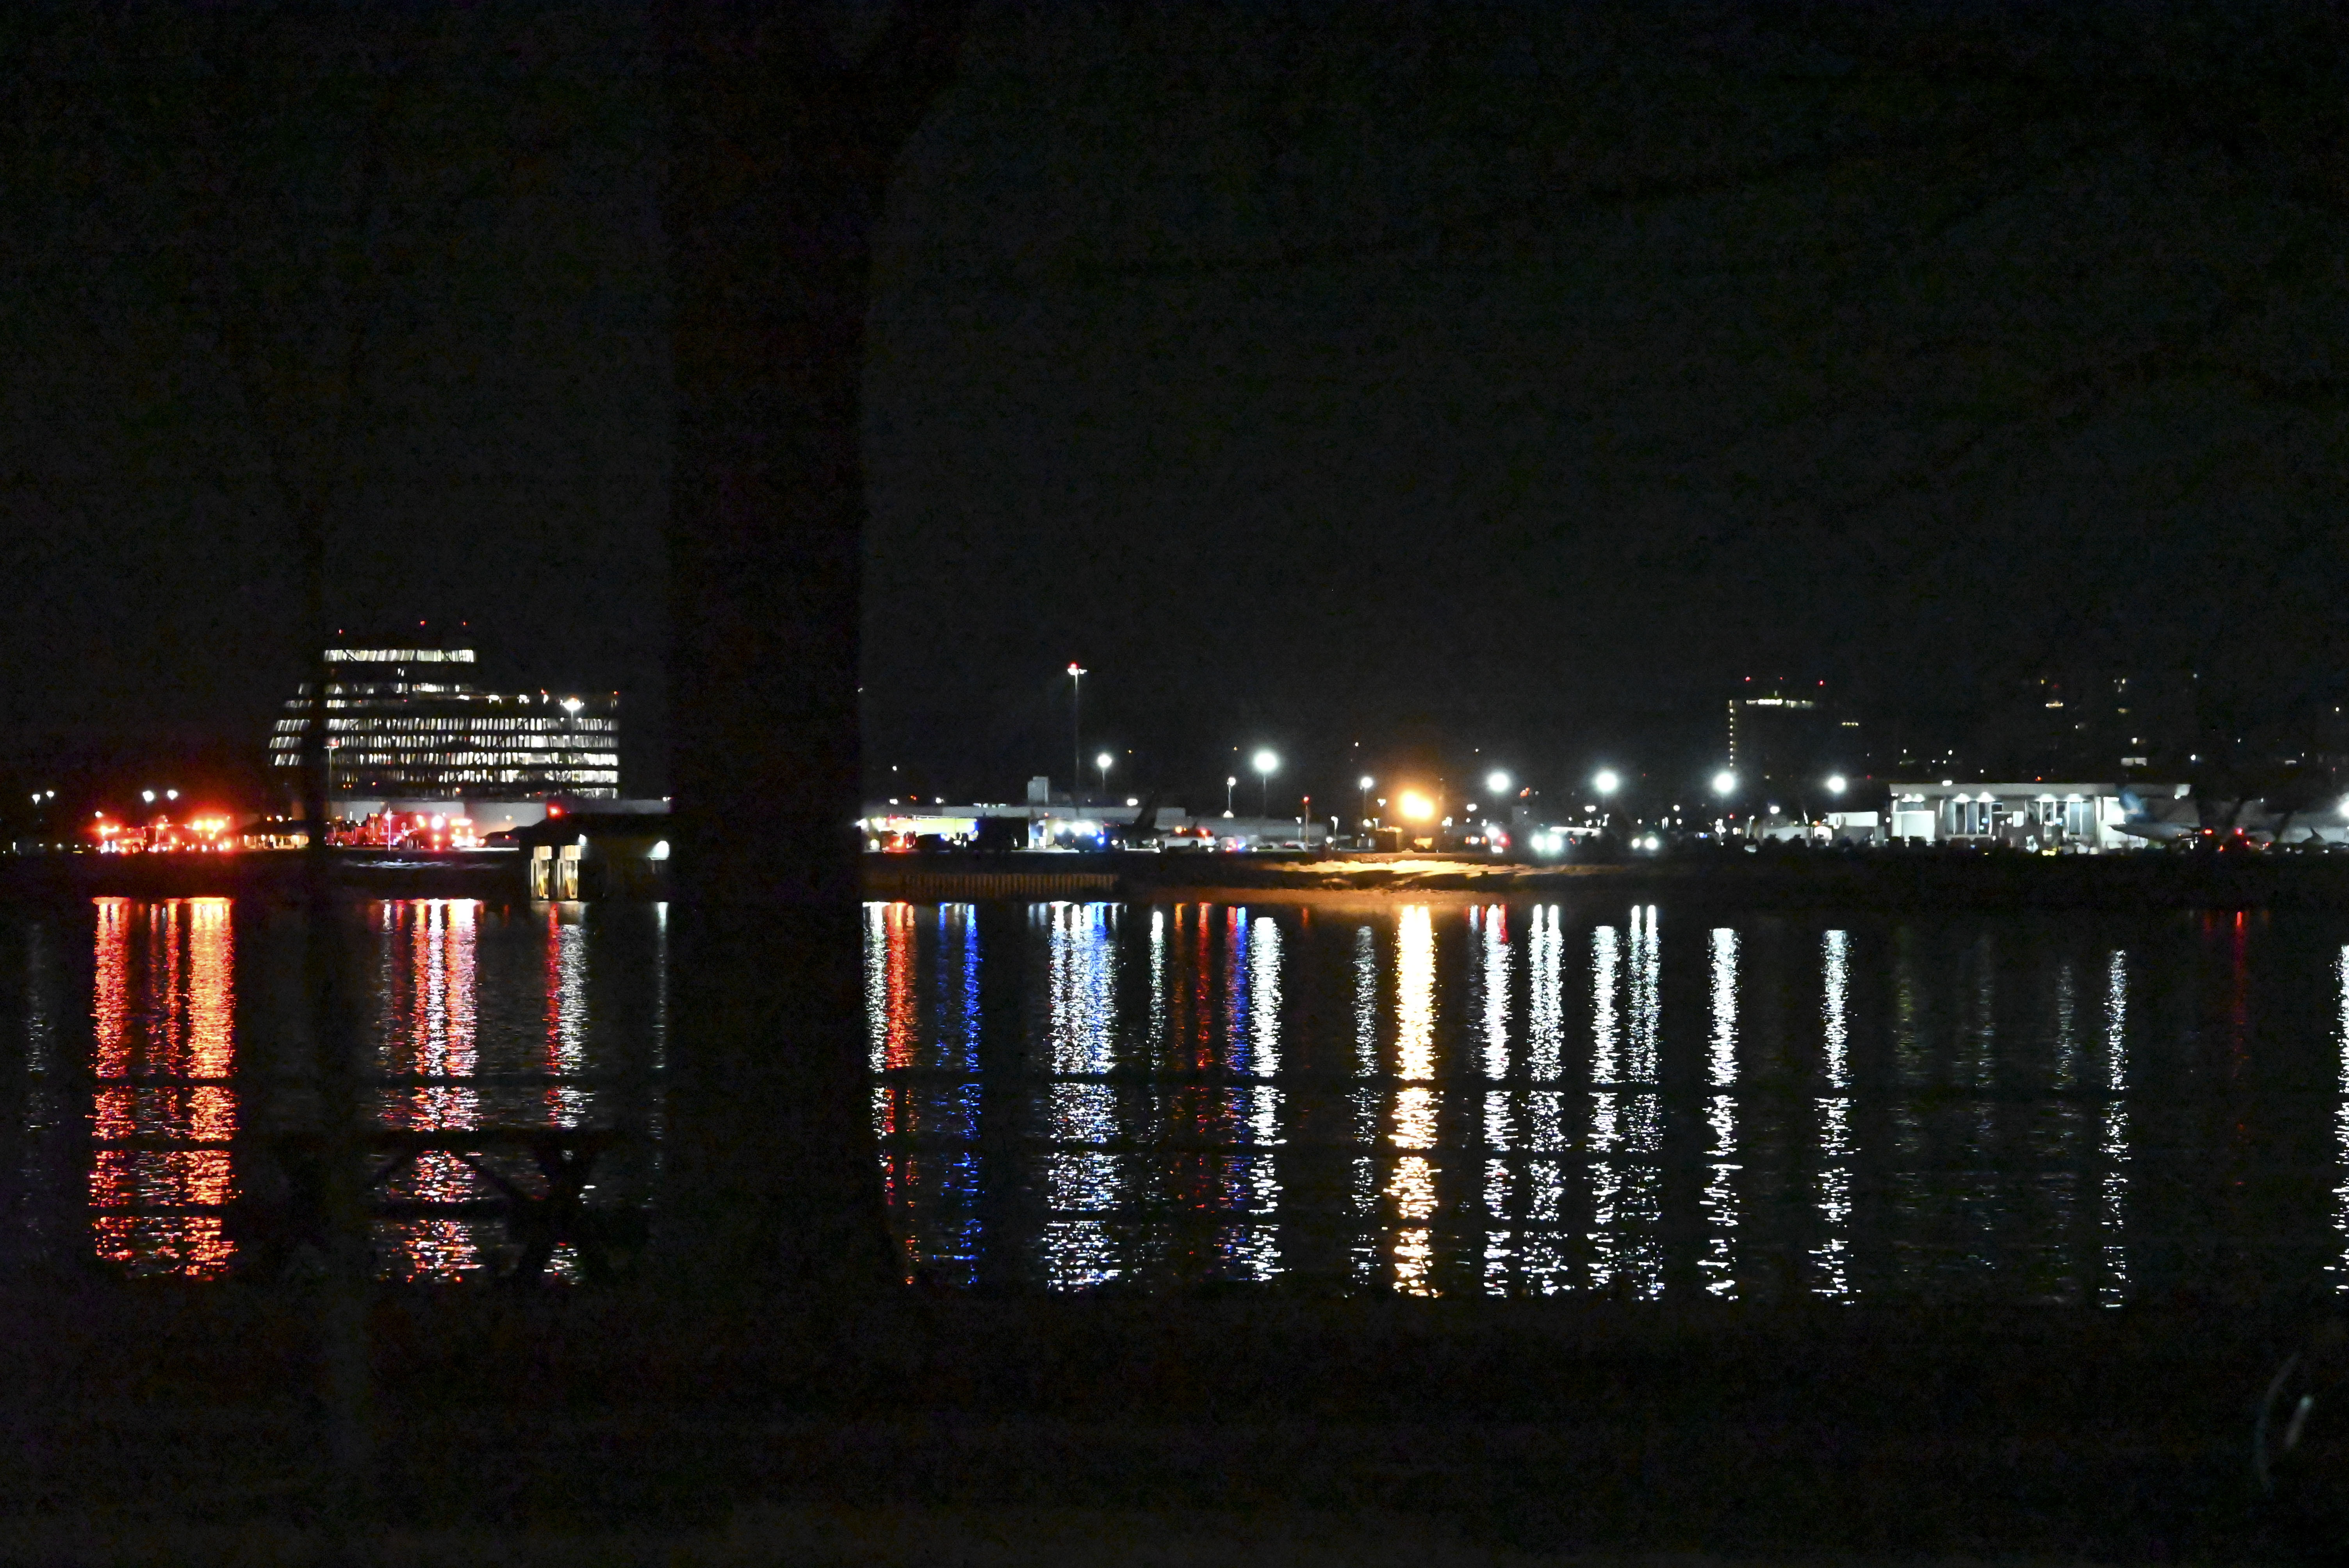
2039, 815
408, 724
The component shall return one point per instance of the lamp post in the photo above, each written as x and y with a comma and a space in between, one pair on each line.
1266, 764
1231, 782
1606, 781
1076, 731
1103, 762
1366, 782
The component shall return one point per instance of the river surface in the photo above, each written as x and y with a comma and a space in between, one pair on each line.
1442, 1099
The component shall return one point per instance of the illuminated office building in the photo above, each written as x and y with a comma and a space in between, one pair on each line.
405, 724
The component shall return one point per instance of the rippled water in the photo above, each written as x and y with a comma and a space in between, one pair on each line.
159, 1100
1444, 1098
1532, 1099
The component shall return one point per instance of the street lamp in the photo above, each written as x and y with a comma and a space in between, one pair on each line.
1230, 784
1265, 764
170, 794
1606, 781
1103, 762
1724, 783
1498, 782
148, 796
1366, 782
1835, 784
1076, 731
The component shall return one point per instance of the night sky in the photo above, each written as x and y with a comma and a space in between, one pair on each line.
1438, 379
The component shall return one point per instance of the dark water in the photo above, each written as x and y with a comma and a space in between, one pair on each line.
1541, 1097
1526, 1099
159, 1079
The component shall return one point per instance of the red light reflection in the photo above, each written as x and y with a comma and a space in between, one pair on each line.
163, 1112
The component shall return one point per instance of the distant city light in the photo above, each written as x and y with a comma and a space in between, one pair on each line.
148, 796
1367, 781
1606, 780
572, 705
1836, 784
1724, 783
170, 794
1498, 782
1416, 806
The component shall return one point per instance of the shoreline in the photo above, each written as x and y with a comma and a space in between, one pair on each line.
1883, 880
1889, 880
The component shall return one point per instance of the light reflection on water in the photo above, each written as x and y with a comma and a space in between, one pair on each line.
179, 1135
1529, 1099
1547, 1098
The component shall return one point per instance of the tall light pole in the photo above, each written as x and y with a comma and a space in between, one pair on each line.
1103, 762
1076, 731
1231, 782
1366, 782
1265, 765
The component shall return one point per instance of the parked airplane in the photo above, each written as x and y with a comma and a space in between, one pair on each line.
2253, 821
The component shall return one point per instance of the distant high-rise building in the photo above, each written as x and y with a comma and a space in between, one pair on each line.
1787, 734
403, 723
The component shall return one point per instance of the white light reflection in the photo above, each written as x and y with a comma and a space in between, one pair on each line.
1500, 1242
1626, 1194
1647, 967
1835, 963
1263, 997
1411, 1187
1497, 990
1362, 1101
876, 986
1082, 1181
1546, 1005
1081, 988
1157, 977
1833, 1254
1248, 1180
2340, 1123
1721, 1068
1606, 1027
2113, 1290
566, 1013
1717, 1204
